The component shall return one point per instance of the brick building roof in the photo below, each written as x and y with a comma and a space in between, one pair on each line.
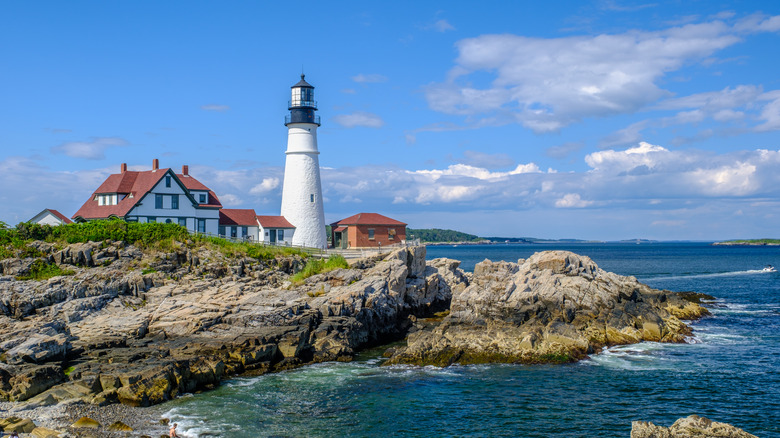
368, 219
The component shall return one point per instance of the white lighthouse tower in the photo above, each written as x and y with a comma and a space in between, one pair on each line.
302, 190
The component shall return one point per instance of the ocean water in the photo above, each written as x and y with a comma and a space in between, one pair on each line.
729, 371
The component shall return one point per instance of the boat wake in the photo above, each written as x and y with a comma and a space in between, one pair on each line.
713, 274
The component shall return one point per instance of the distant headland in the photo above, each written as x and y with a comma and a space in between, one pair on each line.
750, 242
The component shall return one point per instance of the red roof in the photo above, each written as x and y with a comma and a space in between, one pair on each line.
368, 219
135, 185
60, 216
274, 222
237, 216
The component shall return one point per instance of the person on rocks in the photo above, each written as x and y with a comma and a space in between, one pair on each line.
172, 431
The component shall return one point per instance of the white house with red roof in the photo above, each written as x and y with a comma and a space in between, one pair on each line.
50, 217
161, 195
275, 230
239, 223
157, 195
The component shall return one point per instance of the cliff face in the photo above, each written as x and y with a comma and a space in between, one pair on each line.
554, 307
114, 333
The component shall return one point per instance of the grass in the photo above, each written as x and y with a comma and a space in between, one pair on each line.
40, 270
318, 266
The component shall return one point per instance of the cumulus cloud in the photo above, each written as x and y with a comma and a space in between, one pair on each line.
90, 150
572, 200
230, 200
359, 118
264, 187
546, 84
215, 107
369, 78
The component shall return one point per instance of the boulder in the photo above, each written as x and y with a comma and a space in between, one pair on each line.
42, 432
85, 423
688, 427
556, 306
16, 424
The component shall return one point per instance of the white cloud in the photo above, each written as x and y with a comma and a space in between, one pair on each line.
545, 84
369, 78
359, 118
230, 200
442, 26
90, 150
572, 200
478, 173
264, 187
215, 107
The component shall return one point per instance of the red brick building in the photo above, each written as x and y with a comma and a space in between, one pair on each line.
367, 230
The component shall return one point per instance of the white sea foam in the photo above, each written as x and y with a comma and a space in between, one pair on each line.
711, 274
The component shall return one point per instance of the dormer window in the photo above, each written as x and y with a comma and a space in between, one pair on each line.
107, 199
202, 198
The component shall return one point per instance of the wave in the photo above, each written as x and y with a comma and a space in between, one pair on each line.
711, 274
635, 357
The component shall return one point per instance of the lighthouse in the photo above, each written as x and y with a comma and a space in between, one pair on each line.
302, 189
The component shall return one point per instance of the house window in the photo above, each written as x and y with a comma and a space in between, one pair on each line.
233, 231
201, 225
280, 234
391, 234
183, 222
151, 219
158, 201
370, 234
202, 198
221, 231
167, 181
244, 231
175, 202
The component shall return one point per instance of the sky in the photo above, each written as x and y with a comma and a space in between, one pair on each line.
600, 120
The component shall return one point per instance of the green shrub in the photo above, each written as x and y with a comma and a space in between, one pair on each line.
318, 266
40, 270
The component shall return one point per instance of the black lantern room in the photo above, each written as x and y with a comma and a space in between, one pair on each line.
302, 104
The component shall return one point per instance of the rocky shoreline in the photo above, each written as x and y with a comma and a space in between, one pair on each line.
135, 329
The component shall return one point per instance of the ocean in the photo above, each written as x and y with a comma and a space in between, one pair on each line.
729, 371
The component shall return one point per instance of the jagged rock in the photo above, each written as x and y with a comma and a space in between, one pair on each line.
120, 427
18, 383
688, 427
16, 424
42, 432
554, 307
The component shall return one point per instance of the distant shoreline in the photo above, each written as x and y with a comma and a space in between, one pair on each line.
761, 242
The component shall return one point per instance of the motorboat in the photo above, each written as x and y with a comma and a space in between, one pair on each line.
769, 268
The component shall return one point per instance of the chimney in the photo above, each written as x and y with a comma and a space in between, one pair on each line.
155, 164
185, 170
123, 168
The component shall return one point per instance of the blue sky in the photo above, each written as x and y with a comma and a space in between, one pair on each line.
593, 120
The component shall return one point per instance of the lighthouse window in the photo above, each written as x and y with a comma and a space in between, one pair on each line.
311, 197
